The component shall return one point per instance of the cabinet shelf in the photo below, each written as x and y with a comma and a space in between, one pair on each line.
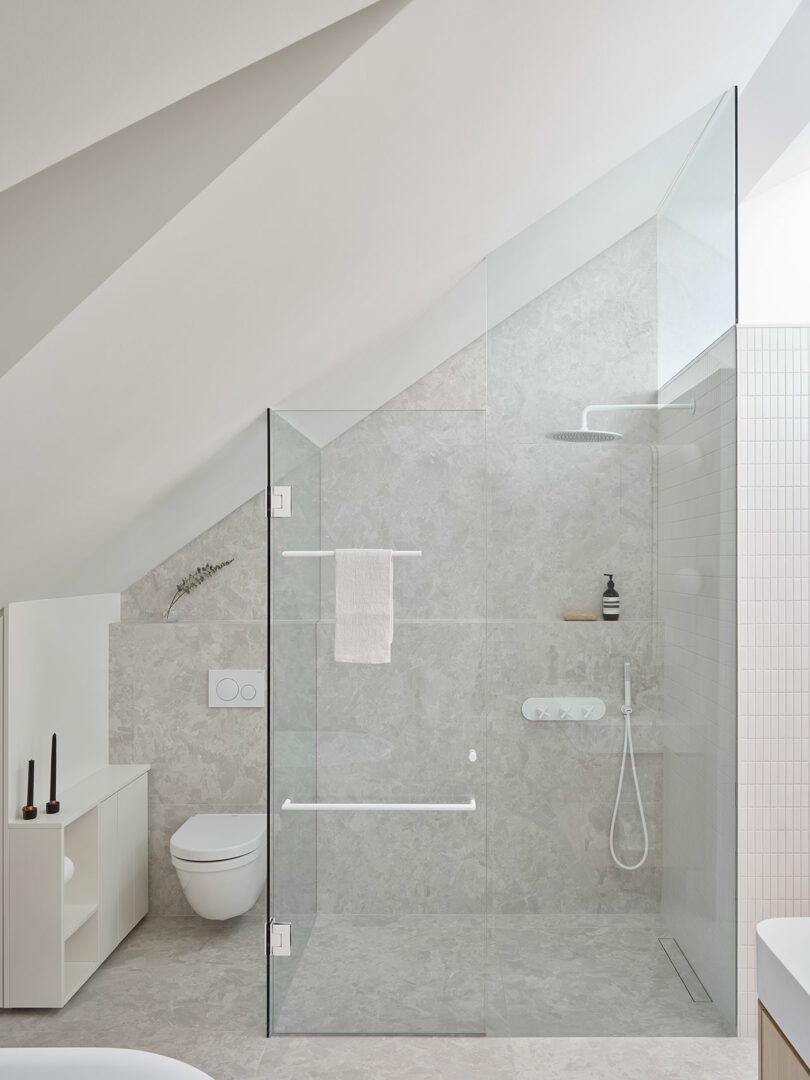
76, 915
76, 973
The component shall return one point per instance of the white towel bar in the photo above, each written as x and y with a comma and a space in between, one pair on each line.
288, 804
327, 554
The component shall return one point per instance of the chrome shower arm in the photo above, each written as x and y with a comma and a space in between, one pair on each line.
586, 412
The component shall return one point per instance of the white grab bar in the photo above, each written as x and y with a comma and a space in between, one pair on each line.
288, 804
328, 554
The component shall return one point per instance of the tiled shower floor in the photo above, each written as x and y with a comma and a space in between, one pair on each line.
194, 990
589, 975
551, 975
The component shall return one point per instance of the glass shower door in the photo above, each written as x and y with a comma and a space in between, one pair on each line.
378, 768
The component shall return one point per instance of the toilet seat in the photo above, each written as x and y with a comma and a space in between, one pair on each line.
216, 838
214, 866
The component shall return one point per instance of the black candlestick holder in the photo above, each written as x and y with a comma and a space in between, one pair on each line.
52, 806
29, 812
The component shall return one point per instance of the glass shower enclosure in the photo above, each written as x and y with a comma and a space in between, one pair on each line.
447, 838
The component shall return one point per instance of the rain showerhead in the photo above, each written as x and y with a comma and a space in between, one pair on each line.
584, 434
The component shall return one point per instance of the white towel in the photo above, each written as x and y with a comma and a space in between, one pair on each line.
364, 605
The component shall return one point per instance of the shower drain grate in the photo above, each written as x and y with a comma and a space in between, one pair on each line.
686, 973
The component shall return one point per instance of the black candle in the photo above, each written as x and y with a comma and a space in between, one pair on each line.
52, 807
29, 811
53, 767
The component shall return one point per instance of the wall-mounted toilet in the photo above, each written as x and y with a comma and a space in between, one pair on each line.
221, 860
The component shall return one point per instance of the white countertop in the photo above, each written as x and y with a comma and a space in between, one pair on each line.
783, 978
83, 796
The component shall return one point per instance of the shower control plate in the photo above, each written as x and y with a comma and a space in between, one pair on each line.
554, 710
232, 688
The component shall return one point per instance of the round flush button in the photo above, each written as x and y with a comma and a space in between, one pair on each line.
227, 689
248, 692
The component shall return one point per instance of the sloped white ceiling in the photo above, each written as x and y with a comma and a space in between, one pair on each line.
775, 105
456, 125
69, 227
792, 163
74, 71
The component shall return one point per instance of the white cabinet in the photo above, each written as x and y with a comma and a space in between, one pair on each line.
124, 874
108, 884
57, 934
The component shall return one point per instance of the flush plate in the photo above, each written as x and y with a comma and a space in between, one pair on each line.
236, 688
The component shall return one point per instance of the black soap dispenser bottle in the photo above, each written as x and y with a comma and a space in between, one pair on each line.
610, 601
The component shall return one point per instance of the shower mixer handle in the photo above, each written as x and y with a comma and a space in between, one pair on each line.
565, 710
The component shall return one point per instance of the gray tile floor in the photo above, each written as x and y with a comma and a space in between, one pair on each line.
194, 990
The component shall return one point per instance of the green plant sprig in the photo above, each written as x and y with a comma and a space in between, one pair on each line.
193, 581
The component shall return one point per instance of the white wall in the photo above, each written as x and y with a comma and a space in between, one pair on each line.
775, 103
774, 638
774, 264
57, 680
2, 798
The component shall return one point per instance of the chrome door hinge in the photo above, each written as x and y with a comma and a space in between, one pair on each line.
277, 939
279, 501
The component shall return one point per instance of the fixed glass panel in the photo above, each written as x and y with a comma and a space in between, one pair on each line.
697, 565
697, 245
697, 612
591, 926
294, 464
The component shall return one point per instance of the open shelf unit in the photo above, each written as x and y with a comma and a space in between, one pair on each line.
75, 916
60, 932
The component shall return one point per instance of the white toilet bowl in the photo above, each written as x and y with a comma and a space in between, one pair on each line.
221, 861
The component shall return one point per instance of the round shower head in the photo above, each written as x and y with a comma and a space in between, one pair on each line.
584, 435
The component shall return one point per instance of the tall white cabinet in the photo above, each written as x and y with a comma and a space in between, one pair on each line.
57, 932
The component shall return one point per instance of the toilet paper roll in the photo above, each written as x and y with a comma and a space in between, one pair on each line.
69, 870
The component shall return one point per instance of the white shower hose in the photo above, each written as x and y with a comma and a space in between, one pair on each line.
628, 748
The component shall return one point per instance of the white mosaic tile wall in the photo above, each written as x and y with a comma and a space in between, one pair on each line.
774, 638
